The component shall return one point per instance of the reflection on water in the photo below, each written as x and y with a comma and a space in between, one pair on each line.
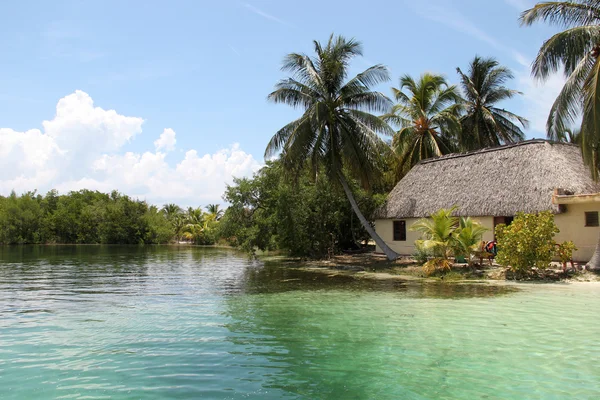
185, 322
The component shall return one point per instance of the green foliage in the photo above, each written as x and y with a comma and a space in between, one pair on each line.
483, 123
427, 117
336, 133
92, 217
445, 236
421, 255
467, 238
575, 52
528, 242
307, 217
438, 232
564, 252
337, 130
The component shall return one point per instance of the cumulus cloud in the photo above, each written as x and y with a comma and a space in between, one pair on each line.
80, 148
78, 126
166, 140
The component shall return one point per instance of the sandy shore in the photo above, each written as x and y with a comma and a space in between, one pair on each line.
377, 267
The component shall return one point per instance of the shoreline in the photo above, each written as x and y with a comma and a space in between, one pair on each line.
373, 267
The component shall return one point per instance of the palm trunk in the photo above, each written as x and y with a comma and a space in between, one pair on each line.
391, 254
594, 264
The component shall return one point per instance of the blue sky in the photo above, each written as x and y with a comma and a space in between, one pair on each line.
202, 70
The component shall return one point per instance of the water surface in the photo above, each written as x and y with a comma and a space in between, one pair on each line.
181, 322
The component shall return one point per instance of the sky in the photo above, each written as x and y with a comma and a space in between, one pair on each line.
166, 101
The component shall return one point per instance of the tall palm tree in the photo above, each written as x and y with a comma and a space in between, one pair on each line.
337, 131
483, 124
427, 117
576, 50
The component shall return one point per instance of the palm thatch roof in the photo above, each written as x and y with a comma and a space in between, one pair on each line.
499, 181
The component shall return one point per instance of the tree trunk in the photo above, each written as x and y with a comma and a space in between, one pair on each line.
391, 254
594, 264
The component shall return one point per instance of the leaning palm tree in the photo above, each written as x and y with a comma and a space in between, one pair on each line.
337, 131
483, 123
576, 50
427, 117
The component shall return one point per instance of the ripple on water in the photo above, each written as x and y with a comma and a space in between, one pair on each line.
115, 322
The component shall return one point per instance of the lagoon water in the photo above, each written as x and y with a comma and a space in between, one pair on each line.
183, 322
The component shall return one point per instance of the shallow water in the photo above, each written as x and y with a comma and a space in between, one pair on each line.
169, 322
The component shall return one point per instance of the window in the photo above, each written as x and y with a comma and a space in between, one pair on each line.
400, 231
591, 218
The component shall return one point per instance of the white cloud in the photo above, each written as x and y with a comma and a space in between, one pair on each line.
80, 148
79, 126
166, 140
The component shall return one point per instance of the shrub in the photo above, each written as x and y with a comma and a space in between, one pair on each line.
528, 242
564, 252
421, 255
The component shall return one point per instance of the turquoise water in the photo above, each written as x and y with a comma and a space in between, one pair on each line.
156, 323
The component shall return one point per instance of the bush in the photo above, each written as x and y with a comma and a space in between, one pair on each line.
421, 255
564, 252
528, 242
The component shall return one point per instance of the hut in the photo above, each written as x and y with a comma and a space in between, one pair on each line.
491, 186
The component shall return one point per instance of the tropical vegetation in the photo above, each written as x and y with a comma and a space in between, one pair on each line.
445, 237
527, 244
304, 217
575, 51
427, 113
483, 123
337, 132
89, 217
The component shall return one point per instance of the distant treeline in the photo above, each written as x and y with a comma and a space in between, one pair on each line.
90, 217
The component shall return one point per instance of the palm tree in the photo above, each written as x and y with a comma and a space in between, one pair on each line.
337, 131
439, 239
484, 124
215, 211
467, 238
576, 50
171, 210
428, 118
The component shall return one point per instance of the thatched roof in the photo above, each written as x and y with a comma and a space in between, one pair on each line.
499, 181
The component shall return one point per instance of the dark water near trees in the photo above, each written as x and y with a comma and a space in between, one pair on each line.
182, 322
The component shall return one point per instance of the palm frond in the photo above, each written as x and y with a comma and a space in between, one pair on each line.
569, 102
565, 49
590, 128
563, 13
